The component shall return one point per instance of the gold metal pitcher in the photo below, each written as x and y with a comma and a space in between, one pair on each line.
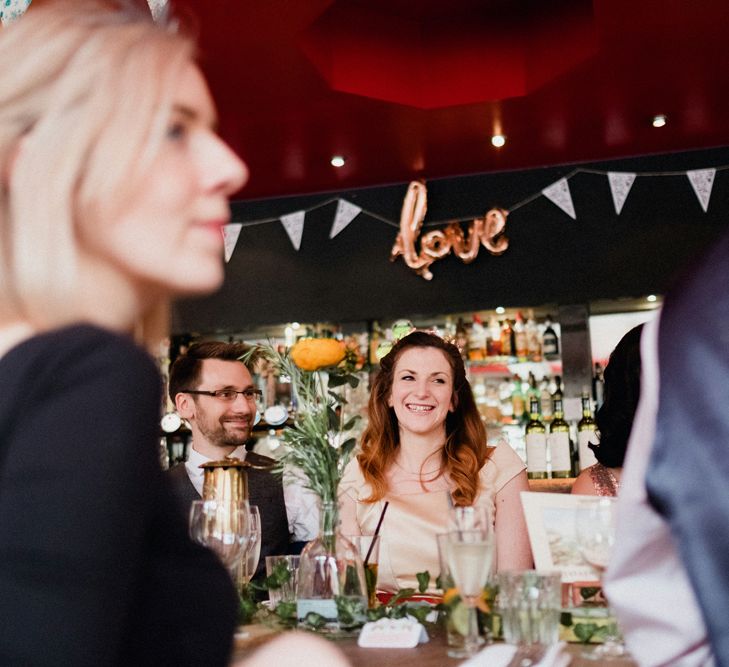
227, 479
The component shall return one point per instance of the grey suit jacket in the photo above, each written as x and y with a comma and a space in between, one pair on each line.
264, 490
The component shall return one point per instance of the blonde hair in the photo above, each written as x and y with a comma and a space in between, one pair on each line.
84, 101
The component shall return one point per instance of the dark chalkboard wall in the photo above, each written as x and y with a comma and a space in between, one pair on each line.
551, 258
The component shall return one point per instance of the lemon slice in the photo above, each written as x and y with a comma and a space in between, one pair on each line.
459, 618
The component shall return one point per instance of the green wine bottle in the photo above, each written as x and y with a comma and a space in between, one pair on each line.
558, 442
536, 443
586, 434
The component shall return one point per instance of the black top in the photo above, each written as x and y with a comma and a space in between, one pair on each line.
95, 564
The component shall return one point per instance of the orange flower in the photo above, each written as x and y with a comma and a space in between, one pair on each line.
311, 354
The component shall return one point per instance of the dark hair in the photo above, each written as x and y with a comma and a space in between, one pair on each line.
622, 391
185, 371
464, 452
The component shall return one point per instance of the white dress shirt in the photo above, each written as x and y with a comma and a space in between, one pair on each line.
302, 505
646, 582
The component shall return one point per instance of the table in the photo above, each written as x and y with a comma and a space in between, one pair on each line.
430, 654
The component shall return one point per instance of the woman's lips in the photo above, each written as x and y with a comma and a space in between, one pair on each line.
418, 407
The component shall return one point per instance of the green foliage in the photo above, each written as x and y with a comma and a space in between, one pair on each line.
278, 577
247, 608
423, 581
444, 582
316, 443
286, 611
588, 631
350, 612
314, 621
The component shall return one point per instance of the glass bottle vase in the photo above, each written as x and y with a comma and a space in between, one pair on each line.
331, 590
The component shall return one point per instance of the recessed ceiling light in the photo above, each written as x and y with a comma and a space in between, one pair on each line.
659, 120
500, 310
652, 298
498, 140
337, 161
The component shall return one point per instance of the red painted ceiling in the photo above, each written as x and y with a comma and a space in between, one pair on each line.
407, 89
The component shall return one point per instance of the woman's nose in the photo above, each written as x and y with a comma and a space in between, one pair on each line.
231, 171
421, 388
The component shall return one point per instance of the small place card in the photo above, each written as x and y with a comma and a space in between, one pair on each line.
392, 633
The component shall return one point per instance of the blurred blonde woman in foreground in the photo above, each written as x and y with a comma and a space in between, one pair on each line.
112, 179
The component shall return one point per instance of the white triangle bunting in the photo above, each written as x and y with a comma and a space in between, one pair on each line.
702, 181
559, 193
346, 212
158, 8
294, 225
231, 233
12, 10
620, 184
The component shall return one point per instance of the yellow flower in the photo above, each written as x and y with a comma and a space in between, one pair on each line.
311, 354
450, 595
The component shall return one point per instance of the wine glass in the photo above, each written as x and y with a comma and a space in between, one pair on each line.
469, 517
222, 526
470, 554
246, 568
595, 531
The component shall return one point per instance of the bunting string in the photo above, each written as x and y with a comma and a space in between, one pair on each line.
558, 192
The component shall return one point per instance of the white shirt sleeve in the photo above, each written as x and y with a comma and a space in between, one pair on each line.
646, 582
302, 506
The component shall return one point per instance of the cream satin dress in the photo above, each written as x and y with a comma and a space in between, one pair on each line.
415, 516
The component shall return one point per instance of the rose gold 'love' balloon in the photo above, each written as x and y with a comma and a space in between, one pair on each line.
487, 231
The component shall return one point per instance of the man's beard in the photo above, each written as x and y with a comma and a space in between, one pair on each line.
217, 435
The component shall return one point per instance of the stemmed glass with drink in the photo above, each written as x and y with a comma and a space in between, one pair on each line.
222, 526
595, 531
246, 568
470, 554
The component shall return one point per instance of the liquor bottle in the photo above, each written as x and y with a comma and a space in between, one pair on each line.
449, 329
558, 442
494, 342
374, 343
534, 346
507, 339
517, 400
520, 339
557, 393
586, 434
550, 342
536, 443
545, 400
477, 340
532, 392
462, 338
598, 386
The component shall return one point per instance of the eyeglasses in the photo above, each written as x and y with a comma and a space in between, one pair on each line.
227, 395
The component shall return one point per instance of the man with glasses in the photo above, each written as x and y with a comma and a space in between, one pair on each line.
214, 391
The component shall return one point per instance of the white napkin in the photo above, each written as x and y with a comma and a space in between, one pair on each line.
499, 655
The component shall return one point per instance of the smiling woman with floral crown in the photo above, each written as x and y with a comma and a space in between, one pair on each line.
424, 450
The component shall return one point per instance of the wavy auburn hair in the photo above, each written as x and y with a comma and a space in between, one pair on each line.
464, 452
